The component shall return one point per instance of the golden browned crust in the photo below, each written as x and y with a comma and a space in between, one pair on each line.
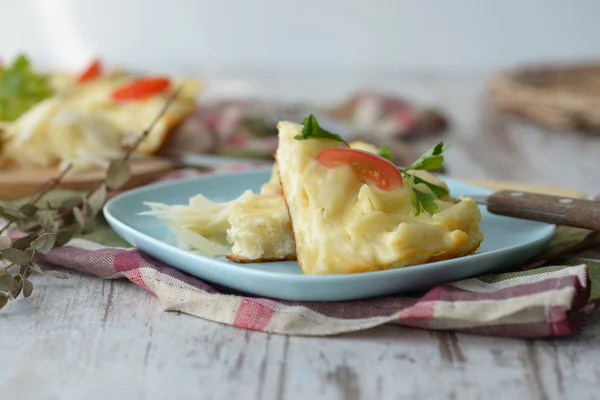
243, 260
357, 269
455, 253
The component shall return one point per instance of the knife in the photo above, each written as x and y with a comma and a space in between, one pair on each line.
542, 207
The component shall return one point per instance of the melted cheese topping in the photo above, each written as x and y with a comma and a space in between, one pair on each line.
82, 125
344, 226
257, 226
199, 225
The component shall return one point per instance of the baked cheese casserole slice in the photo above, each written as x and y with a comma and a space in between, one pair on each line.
254, 227
260, 228
341, 224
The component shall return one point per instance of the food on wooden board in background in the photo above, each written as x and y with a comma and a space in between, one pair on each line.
345, 209
86, 118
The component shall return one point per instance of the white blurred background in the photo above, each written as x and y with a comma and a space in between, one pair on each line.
434, 52
201, 36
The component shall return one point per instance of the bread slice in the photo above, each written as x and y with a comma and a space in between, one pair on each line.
341, 225
260, 228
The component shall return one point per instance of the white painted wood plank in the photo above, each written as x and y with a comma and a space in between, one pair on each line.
85, 338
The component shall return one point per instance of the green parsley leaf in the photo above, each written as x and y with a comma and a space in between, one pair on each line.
415, 203
386, 152
425, 200
422, 200
20, 89
437, 190
431, 159
312, 130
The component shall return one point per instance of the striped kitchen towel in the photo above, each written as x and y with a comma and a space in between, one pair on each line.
548, 297
529, 303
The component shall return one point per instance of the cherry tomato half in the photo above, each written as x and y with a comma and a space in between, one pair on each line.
91, 72
371, 167
141, 89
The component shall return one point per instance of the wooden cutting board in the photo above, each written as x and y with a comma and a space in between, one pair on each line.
18, 183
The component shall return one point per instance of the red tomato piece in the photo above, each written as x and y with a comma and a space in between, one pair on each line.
91, 72
372, 168
140, 89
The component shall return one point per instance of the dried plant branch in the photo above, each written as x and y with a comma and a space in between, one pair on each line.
586, 243
150, 127
5, 227
51, 184
10, 265
42, 190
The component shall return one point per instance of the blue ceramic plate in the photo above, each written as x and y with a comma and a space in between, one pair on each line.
508, 242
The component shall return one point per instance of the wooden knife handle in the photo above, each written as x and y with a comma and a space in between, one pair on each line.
553, 209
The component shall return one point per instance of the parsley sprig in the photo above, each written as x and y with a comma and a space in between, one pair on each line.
20, 89
312, 130
431, 159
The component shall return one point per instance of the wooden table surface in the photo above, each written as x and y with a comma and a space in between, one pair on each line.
85, 338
